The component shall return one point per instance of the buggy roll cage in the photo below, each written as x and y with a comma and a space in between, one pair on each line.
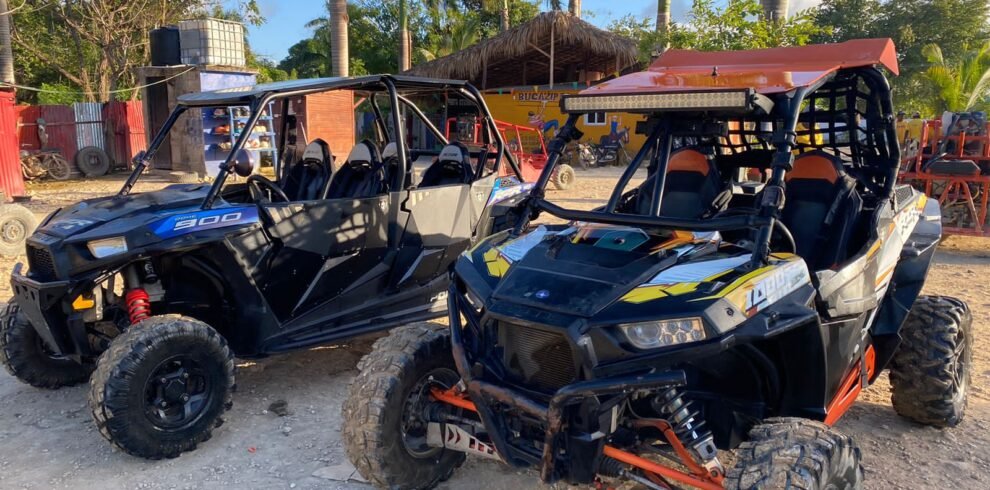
258, 96
789, 109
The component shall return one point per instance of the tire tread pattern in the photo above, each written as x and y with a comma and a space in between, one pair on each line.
115, 369
921, 370
796, 454
20, 355
367, 440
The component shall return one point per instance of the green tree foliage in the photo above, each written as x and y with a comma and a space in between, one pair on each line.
962, 84
737, 25
90, 48
953, 25
437, 28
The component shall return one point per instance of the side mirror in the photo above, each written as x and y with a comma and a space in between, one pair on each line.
243, 163
139, 158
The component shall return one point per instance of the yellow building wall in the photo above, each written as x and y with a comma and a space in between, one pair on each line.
541, 109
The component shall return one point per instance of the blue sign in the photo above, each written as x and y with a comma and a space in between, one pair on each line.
180, 224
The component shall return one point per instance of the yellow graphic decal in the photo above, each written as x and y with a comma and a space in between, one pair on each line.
738, 282
874, 248
497, 265
644, 294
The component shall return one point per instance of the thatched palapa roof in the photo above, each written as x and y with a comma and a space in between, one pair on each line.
522, 55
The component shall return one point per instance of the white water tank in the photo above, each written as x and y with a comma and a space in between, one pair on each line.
212, 42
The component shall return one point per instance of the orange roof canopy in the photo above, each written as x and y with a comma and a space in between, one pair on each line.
767, 71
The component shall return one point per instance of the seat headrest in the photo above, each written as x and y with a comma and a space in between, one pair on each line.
815, 166
317, 151
362, 152
688, 160
454, 152
391, 150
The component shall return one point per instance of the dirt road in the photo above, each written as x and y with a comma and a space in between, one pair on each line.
47, 438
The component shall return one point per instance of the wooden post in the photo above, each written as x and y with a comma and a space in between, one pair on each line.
552, 24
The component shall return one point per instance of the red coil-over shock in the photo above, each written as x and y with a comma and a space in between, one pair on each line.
138, 304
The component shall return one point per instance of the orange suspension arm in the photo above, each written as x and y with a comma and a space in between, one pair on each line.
459, 400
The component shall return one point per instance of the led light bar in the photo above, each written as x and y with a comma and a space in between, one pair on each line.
725, 100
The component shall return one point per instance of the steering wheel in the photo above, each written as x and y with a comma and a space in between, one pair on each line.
780, 230
255, 184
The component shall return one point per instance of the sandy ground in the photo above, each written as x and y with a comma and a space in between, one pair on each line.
47, 438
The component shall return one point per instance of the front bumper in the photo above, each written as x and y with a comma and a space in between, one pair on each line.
46, 307
487, 395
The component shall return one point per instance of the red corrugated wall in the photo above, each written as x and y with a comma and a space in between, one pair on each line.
11, 180
60, 124
125, 122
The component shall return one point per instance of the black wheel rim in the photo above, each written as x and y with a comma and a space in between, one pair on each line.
178, 393
959, 365
13, 231
414, 423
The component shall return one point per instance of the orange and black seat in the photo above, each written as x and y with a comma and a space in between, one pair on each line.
821, 208
693, 189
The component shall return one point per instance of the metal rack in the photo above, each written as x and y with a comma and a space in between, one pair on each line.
220, 131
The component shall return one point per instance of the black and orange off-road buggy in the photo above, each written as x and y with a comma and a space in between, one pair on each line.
765, 270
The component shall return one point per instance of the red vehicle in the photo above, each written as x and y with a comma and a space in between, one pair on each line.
954, 167
525, 144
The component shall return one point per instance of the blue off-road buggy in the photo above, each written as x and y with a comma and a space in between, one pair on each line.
158, 291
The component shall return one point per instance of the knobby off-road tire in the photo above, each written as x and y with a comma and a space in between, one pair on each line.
162, 386
930, 372
391, 377
564, 177
795, 453
92, 161
28, 359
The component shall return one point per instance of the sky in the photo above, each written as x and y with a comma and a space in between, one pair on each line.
285, 20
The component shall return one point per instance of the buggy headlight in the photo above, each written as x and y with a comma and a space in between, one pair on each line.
664, 333
106, 247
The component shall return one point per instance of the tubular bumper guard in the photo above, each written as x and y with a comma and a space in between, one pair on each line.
552, 414
43, 305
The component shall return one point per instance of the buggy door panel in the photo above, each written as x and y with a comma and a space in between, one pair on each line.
440, 226
481, 192
322, 247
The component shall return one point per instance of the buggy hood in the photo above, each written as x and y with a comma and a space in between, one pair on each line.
609, 274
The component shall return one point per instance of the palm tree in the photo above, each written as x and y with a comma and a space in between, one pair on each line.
462, 35
340, 56
963, 84
404, 45
663, 15
574, 7
503, 15
775, 9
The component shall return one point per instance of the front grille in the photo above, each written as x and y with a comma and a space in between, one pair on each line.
540, 359
41, 262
